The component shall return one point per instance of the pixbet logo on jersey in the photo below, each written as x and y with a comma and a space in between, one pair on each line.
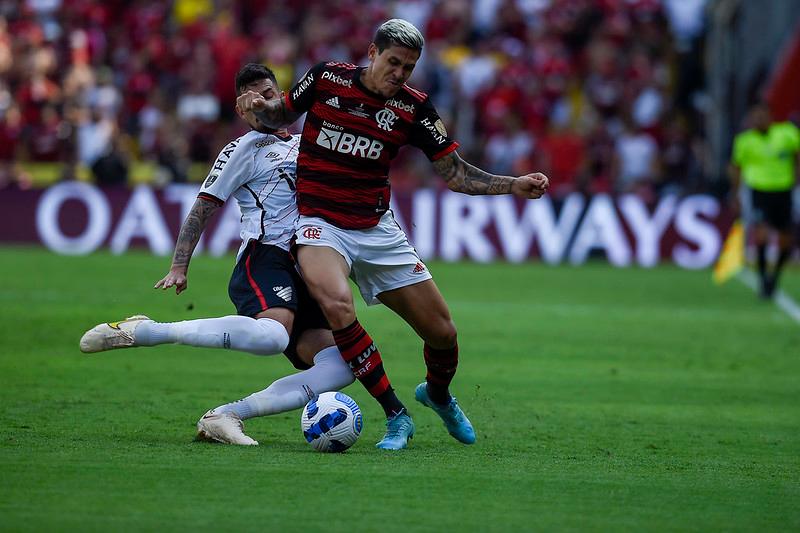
347, 143
408, 108
336, 79
312, 232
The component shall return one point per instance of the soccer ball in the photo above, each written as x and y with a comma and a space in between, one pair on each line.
332, 422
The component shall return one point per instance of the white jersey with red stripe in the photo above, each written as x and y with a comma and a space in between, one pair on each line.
259, 170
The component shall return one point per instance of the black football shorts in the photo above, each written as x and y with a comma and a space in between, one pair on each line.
265, 277
773, 208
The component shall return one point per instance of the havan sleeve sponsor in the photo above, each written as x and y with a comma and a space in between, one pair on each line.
232, 168
429, 134
303, 94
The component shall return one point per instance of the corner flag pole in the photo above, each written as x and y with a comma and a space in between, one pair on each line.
731, 258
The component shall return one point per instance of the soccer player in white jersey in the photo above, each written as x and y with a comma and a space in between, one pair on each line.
275, 312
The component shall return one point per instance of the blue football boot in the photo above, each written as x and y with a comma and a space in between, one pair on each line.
456, 422
399, 430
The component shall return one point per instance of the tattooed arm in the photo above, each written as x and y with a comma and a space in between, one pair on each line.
469, 179
201, 212
272, 113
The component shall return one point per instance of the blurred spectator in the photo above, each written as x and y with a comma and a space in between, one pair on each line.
112, 168
37, 90
171, 152
561, 155
48, 138
509, 146
140, 83
95, 135
103, 95
150, 119
681, 163
99, 147
10, 135
635, 163
6, 59
198, 103
599, 163
230, 49
188, 12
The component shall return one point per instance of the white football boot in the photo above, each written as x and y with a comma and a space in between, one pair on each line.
111, 335
226, 428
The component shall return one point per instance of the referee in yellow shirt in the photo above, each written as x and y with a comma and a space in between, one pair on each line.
766, 156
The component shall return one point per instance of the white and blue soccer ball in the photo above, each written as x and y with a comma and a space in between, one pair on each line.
332, 422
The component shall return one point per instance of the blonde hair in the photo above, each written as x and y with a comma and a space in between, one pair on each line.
398, 32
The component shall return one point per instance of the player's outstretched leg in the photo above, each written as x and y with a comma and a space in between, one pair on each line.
262, 336
112, 335
224, 423
433, 393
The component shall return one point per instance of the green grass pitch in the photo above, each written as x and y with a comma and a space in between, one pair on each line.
604, 400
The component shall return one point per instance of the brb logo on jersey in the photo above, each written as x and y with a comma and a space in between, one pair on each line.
385, 119
347, 143
312, 232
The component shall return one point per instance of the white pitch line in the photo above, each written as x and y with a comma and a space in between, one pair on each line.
785, 302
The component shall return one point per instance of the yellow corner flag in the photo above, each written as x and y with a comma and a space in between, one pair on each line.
731, 259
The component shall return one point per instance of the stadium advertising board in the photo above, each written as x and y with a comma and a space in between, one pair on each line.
79, 218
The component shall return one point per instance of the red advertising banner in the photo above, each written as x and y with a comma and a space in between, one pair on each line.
78, 218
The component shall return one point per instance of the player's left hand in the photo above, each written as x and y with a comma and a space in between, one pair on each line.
176, 277
530, 186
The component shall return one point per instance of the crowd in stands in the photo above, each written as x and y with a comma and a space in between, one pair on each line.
603, 95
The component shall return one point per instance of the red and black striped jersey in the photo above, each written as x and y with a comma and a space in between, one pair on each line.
350, 137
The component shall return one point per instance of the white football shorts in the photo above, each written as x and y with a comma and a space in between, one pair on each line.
380, 258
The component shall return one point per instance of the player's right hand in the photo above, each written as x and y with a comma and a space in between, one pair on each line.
530, 186
174, 278
251, 101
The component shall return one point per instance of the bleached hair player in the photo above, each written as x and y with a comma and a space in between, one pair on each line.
275, 312
403, 33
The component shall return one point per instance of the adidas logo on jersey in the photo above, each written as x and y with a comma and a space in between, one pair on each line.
333, 102
419, 268
284, 293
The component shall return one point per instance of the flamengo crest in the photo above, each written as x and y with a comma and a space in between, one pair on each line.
385, 118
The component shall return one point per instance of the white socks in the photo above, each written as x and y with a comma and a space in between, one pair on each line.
262, 336
329, 373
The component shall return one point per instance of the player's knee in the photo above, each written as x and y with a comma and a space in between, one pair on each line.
268, 338
443, 335
338, 309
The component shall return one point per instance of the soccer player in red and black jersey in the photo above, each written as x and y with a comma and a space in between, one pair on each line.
356, 120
